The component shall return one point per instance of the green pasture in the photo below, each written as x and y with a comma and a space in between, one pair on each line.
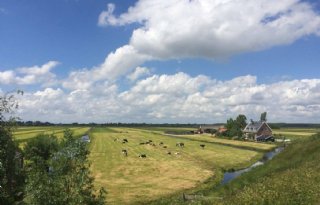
295, 133
133, 180
22, 134
160, 178
168, 129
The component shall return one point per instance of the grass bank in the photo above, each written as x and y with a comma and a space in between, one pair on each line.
292, 177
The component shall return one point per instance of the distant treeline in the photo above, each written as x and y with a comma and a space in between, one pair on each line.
293, 125
118, 124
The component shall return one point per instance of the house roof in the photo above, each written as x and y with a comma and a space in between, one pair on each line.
254, 126
222, 129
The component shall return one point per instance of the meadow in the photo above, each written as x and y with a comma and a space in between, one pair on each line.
295, 133
23, 134
161, 178
134, 180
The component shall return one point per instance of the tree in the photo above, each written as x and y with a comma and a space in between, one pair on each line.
61, 176
11, 175
235, 127
263, 117
40, 149
242, 121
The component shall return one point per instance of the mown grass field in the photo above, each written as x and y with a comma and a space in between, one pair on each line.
295, 133
23, 134
161, 178
133, 180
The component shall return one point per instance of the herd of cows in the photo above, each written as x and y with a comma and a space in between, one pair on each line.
151, 143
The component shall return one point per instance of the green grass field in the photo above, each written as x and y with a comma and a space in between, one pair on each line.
295, 133
161, 178
23, 134
130, 180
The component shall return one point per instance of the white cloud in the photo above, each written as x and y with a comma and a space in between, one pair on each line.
116, 64
138, 73
213, 28
7, 77
30, 75
106, 17
177, 98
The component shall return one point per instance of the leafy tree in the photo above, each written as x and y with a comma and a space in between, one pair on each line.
235, 127
68, 180
41, 146
11, 175
263, 117
241, 121
39, 150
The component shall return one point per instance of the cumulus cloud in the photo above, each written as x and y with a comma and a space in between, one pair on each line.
211, 29
116, 64
177, 98
30, 75
214, 28
138, 73
106, 17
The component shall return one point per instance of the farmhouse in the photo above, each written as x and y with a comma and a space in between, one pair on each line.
258, 130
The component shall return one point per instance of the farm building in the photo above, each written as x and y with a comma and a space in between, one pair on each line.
206, 129
222, 129
258, 130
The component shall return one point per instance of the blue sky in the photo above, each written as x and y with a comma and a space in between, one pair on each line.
187, 43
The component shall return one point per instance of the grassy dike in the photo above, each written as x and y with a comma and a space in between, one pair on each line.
292, 177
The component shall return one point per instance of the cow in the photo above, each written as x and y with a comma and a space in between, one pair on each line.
202, 146
179, 144
161, 143
142, 143
177, 153
142, 155
125, 152
150, 140
165, 147
169, 153
125, 140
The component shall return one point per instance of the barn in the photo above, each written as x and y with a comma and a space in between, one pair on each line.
258, 130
